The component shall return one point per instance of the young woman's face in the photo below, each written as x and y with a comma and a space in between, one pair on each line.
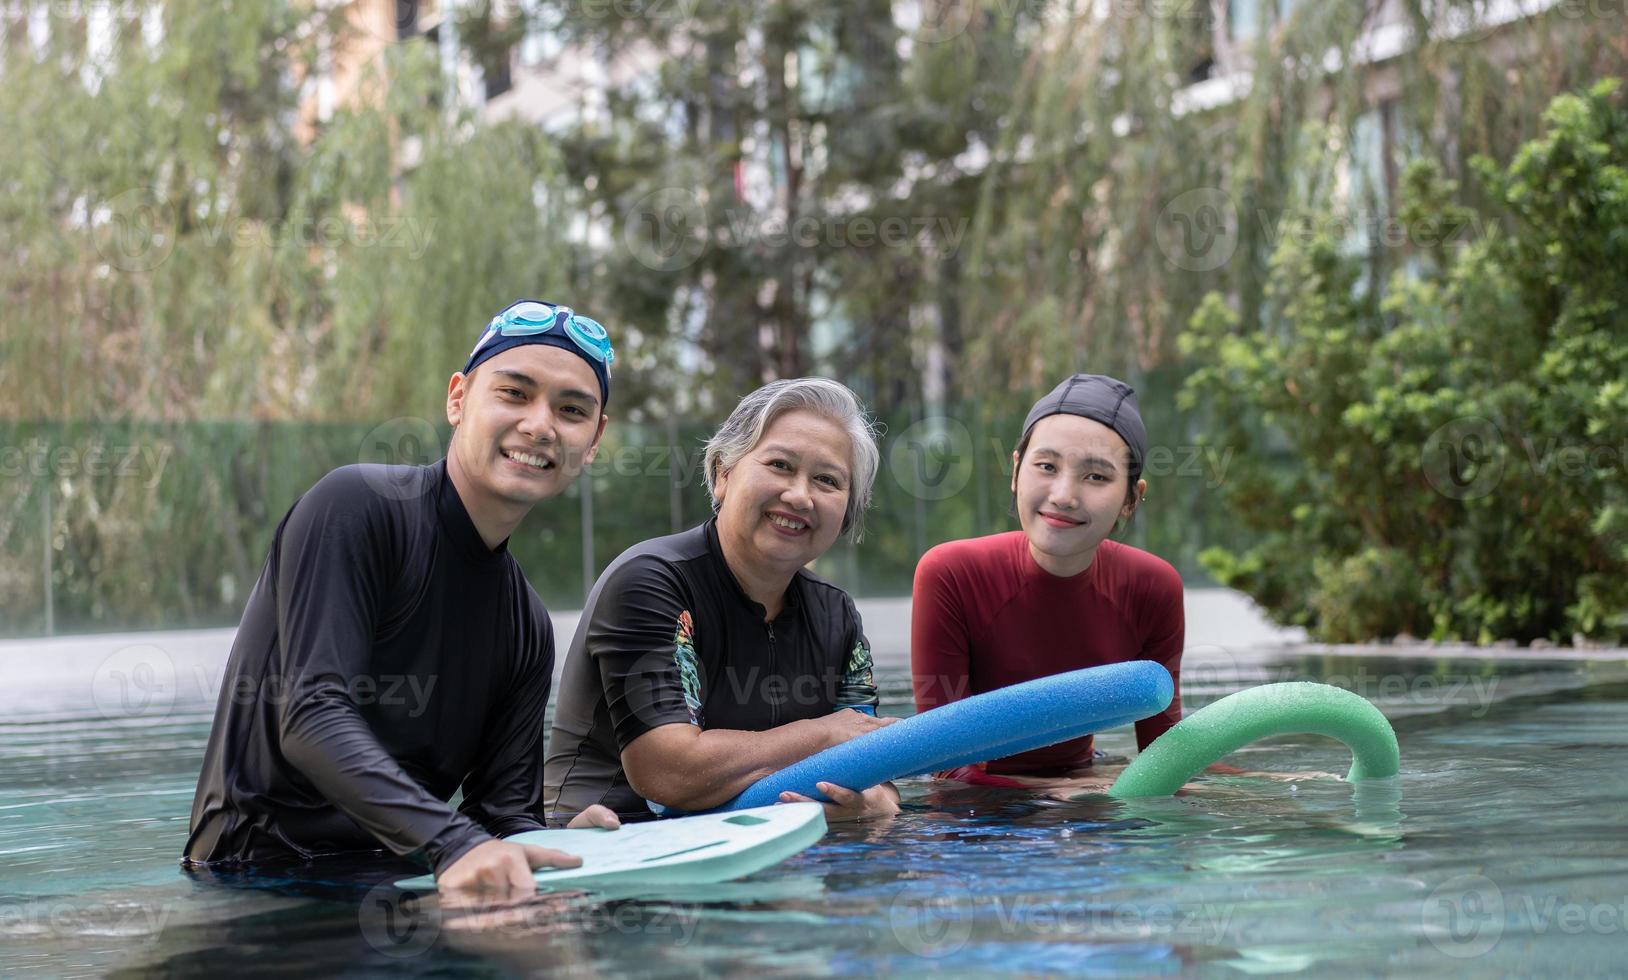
783, 503
1071, 487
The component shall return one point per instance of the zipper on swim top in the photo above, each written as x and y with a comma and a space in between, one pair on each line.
774, 706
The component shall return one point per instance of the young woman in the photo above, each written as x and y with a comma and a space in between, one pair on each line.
1057, 595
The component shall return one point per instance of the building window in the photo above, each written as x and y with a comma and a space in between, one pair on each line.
497, 77
406, 19
1248, 18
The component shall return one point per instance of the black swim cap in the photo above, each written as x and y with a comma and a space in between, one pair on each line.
1101, 399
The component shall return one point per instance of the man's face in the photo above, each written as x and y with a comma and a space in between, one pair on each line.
783, 504
1070, 485
529, 420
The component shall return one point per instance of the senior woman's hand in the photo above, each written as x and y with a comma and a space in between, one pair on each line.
878, 801
840, 726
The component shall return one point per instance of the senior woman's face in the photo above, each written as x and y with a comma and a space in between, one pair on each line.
783, 503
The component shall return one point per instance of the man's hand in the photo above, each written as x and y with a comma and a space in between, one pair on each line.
840, 726
501, 869
595, 816
878, 801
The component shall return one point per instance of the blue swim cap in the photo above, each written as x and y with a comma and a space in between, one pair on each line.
532, 322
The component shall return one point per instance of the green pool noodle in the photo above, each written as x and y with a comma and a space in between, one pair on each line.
1292, 708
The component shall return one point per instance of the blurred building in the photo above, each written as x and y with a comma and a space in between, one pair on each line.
536, 76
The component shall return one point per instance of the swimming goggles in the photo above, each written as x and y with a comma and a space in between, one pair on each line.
529, 317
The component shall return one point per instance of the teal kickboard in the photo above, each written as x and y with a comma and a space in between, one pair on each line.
697, 850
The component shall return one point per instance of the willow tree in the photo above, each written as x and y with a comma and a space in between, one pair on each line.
183, 238
1111, 164
781, 186
189, 250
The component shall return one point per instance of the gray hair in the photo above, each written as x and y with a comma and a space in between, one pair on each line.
757, 411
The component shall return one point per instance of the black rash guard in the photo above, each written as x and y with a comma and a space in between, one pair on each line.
669, 636
386, 657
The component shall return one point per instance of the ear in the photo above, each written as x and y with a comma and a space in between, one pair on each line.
593, 448
1136, 499
1014, 470
719, 482
457, 390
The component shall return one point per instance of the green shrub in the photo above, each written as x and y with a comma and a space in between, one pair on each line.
1460, 434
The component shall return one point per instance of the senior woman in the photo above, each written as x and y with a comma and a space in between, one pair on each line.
708, 659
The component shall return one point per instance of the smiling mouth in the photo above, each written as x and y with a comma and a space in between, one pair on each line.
539, 463
790, 525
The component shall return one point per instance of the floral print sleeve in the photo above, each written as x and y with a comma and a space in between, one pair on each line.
858, 688
688, 670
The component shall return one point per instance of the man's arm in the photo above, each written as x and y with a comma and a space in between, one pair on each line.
501, 793
334, 567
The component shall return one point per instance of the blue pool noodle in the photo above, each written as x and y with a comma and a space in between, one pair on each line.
986, 726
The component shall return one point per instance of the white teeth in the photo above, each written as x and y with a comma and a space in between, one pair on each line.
786, 523
530, 460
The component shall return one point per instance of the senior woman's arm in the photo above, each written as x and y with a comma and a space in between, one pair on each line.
641, 638
689, 768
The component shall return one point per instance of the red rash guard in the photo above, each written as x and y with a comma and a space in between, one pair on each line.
984, 616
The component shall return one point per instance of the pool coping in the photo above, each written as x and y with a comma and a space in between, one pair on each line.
1455, 651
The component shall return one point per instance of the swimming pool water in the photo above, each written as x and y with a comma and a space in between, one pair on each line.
1500, 848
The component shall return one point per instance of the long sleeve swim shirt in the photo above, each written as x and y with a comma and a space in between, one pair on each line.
985, 616
385, 659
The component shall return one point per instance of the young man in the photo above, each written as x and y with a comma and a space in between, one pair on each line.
392, 651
